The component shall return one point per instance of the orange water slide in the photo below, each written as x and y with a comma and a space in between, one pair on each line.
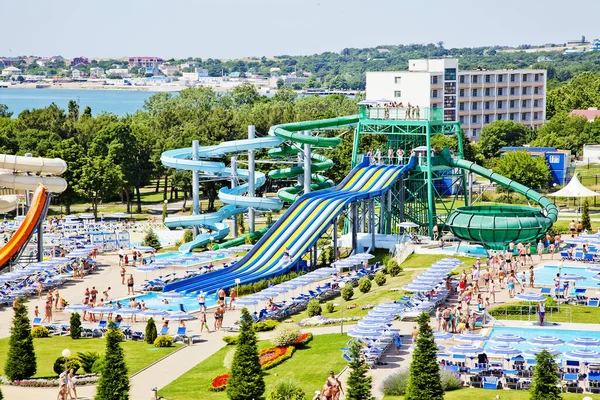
36, 212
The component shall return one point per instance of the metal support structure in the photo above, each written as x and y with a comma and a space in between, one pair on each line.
195, 186
470, 196
40, 241
354, 216
335, 238
388, 228
430, 187
234, 183
382, 213
372, 223
307, 169
251, 189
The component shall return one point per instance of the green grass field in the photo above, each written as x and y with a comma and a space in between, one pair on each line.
481, 394
425, 260
137, 354
578, 314
309, 367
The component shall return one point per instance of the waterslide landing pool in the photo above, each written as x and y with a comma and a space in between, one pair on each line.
545, 276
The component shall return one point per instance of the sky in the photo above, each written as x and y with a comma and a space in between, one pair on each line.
243, 28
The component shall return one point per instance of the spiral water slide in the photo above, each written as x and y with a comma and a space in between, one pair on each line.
299, 228
235, 200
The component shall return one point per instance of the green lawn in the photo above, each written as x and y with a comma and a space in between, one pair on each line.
47, 350
481, 394
309, 366
425, 260
579, 314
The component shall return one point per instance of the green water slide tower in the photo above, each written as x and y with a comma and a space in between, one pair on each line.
429, 193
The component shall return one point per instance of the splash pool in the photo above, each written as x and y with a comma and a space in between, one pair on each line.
468, 249
545, 275
153, 302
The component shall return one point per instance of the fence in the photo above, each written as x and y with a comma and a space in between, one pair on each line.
522, 312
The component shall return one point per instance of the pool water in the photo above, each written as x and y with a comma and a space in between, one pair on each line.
545, 275
470, 249
530, 333
153, 302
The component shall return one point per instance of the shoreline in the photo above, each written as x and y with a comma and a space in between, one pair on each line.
87, 86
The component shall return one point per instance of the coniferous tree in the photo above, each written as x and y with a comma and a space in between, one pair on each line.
114, 381
546, 378
424, 382
150, 331
75, 329
20, 363
151, 239
585, 216
246, 379
359, 384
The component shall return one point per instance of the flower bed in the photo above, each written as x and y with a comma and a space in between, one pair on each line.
50, 382
219, 383
303, 339
321, 320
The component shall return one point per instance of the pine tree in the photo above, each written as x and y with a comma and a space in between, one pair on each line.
21, 362
75, 329
546, 378
424, 382
150, 331
585, 216
246, 379
114, 381
359, 384
151, 239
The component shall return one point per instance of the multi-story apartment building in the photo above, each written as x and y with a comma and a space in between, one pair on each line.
475, 98
144, 62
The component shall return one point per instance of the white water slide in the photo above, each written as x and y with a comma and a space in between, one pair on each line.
26, 173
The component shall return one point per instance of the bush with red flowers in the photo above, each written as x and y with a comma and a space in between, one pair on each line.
273, 356
303, 339
219, 383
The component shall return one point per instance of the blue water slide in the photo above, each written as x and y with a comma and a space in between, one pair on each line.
299, 228
234, 198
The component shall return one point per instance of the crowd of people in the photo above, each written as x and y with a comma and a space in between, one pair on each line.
409, 112
393, 156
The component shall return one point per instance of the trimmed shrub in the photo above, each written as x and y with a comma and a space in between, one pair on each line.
285, 335
151, 333
314, 308
450, 381
151, 239
380, 279
75, 326
114, 379
394, 268
40, 332
188, 236
230, 340
21, 361
59, 364
395, 384
364, 284
87, 360
98, 366
264, 326
329, 307
347, 292
286, 390
163, 341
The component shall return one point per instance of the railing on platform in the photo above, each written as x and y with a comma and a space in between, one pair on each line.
528, 312
398, 113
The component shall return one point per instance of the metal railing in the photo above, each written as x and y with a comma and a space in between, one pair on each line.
525, 312
397, 113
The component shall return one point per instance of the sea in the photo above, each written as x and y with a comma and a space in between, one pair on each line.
119, 102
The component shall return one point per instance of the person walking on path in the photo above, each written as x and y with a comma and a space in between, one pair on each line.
491, 290
336, 385
540, 249
130, 285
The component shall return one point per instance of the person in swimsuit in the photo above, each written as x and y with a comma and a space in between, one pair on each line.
130, 285
232, 297
201, 301
531, 277
221, 296
511, 285
446, 316
203, 321
491, 290
336, 385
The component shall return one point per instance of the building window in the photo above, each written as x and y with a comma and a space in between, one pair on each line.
474, 105
524, 78
434, 93
524, 116
488, 91
474, 92
536, 90
434, 80
500, 91
512, 116
461, 119
524, 90
487, 119
397, 93
488, 78
450, 74
512, 91
499, 105
473, 119
398, 79
461, 79
524, 103
512, 104
499, 117
536, 77
461, 93
434, 105
500, 78
474, 78
536, 102
461, 106
513, 77
487, 105
474, 132
536, 116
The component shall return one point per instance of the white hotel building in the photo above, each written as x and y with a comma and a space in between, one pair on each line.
475, 98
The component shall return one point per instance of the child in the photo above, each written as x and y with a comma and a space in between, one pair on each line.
36, 312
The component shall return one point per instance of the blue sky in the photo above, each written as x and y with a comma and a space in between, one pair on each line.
238, 28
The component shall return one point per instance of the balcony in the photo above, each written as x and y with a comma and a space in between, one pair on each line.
397, 113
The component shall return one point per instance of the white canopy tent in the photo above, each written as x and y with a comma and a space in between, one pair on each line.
574, 189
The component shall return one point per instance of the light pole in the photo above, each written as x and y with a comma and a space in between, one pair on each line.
342, 284
66, 353
560, 266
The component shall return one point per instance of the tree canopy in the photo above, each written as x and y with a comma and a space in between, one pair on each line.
520, 166
500, 134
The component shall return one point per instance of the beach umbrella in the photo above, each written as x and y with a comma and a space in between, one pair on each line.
425, 305
572, 277
373, 319
144, 248
585, 342
465, 349
146, 268
247, 301
362, 256
103, 309
77, 307
419, 287
179, 316
261, 296
503, 351
371, 325
87, 216
583, 355
170, 295
529, 296
535, 350
154, 313
507, 338
384, 314
593, 268
363, 333
471, 337
440, 335
407, 225
128, 311
62, 259
546, 341
389, 307
37, 267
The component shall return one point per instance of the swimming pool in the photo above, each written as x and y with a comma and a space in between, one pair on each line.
470, 249
530, 333
154, 303
545, 275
